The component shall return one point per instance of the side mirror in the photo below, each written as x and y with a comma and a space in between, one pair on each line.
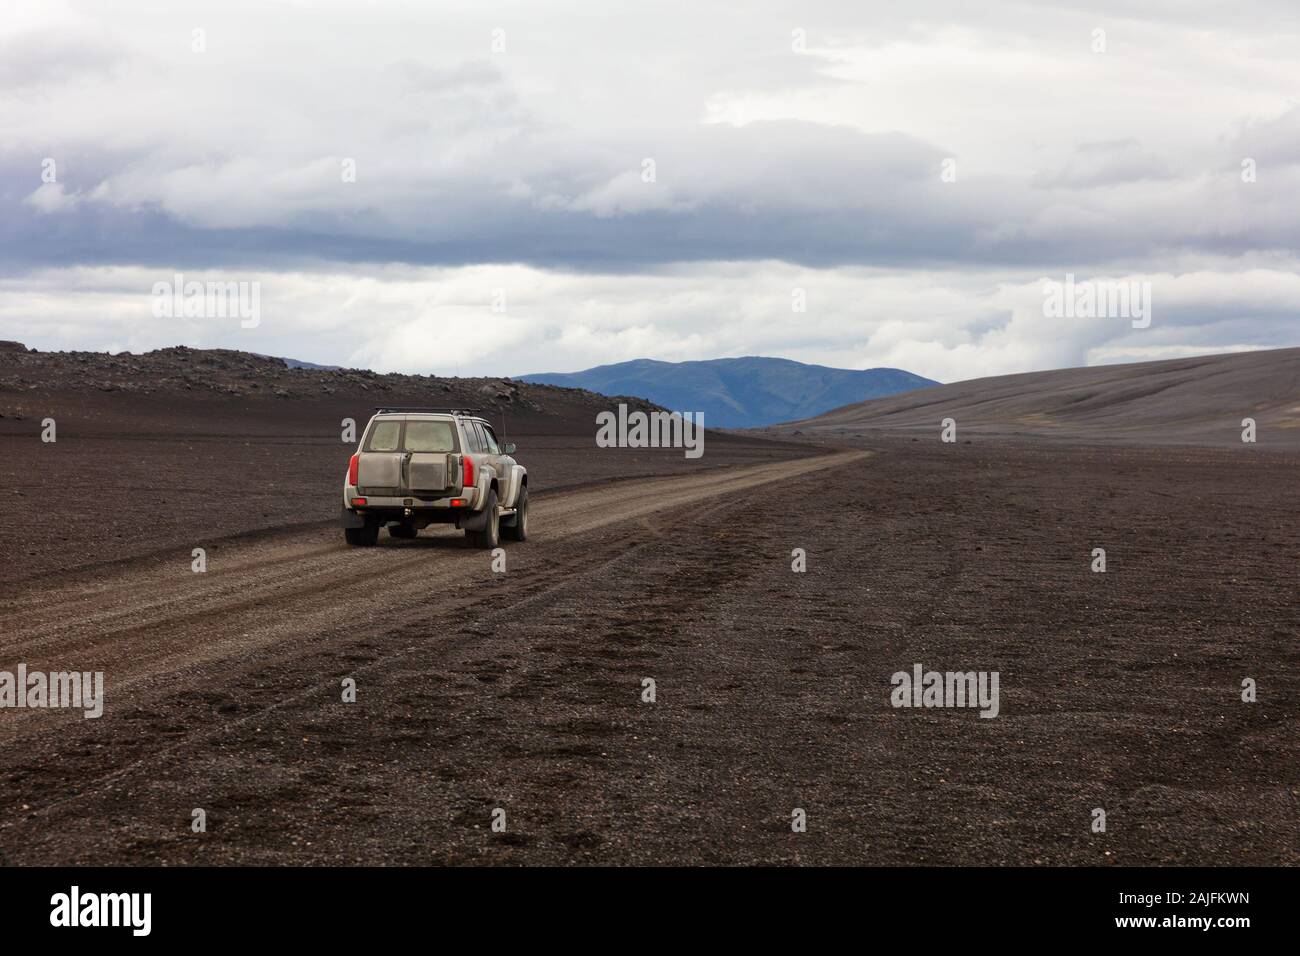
508, 448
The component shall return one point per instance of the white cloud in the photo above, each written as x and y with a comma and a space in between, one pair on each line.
51, 198
413, 319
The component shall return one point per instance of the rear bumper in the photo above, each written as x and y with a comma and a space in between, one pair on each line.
416, 504
420, 510
396, 509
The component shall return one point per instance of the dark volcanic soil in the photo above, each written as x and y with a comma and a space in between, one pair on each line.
523, 691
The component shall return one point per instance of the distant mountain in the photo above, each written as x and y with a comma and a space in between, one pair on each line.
294, 363
739, 392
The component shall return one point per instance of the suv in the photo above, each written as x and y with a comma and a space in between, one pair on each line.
420, 466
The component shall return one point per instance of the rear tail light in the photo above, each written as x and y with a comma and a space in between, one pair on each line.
467, 478
358, 502
353, 466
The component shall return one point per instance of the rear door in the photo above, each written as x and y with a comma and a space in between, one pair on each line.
379, 471
429, 444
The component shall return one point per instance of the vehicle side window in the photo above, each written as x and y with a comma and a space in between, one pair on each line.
472, 442
384, 436
492, 447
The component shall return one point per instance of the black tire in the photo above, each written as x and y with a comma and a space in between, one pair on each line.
490, 536
363, 537
404, 531
515, 527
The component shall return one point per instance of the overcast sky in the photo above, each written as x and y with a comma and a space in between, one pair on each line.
500, 153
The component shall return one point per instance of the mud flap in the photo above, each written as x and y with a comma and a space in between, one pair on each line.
474, 521
350, 519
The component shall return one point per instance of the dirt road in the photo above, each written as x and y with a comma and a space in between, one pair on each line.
156, 620
284, 606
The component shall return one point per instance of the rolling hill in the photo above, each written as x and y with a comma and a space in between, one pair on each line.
1178, 401
739, 392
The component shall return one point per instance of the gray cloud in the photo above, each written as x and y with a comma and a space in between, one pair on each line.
1106, 164
778, 160
40, 63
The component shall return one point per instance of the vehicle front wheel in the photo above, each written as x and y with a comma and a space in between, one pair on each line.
363, 537
516, 526
490, 536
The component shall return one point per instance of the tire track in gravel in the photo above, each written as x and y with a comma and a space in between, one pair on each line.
339, 646
147, 623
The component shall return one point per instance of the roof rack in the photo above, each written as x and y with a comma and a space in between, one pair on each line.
380, 409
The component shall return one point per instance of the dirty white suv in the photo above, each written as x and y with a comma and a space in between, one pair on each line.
420, 466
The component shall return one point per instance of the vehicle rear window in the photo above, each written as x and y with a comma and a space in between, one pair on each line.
384, 436
429, 436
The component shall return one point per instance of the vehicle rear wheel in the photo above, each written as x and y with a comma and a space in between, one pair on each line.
402, 531
490, 536
362, 537
515, 527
